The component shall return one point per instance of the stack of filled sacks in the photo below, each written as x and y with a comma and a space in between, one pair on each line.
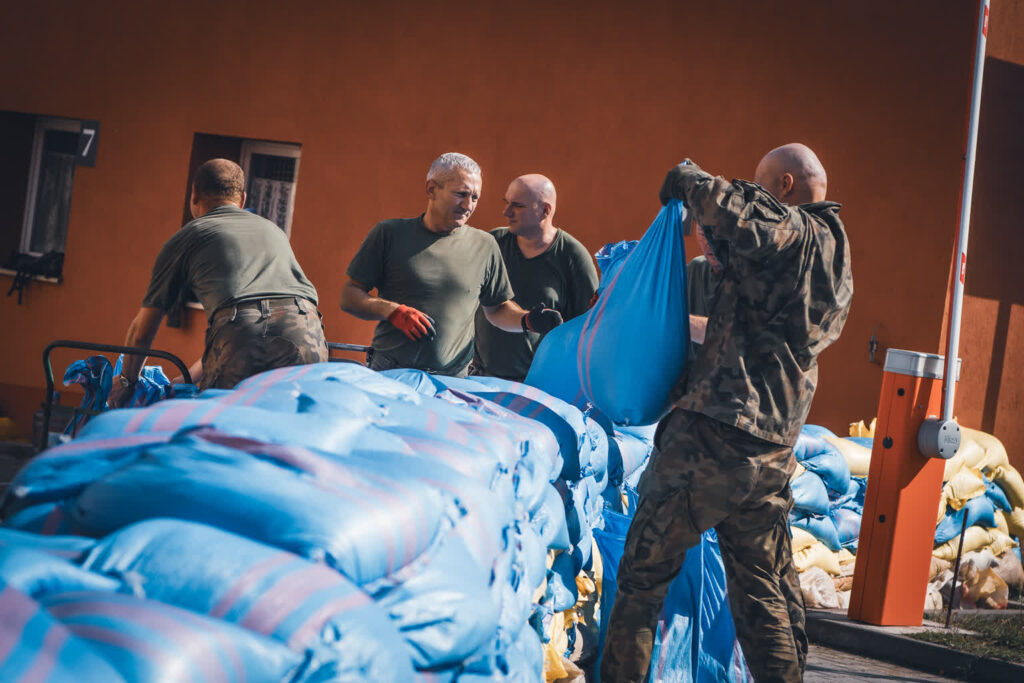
828, 500
305, 495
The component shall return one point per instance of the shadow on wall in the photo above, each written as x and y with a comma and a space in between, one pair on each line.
997, 237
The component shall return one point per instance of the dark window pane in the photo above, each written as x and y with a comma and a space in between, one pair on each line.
53, 193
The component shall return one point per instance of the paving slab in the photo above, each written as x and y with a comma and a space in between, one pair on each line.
826, 665
833, 629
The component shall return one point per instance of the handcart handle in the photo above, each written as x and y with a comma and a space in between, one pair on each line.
91, 346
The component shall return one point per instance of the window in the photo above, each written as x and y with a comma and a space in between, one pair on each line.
36, 182
271, 173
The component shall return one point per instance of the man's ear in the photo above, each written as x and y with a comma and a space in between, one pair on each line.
241, 202
431, 189
786, 184
546, 213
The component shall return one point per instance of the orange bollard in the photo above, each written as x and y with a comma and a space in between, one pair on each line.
898, 527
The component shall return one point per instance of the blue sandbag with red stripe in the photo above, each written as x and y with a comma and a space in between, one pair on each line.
305, 605
36, 573
147, 641
633, 346
365, 528
36, 648
71, 548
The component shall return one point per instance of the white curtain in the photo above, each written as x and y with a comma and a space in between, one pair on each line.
270, 199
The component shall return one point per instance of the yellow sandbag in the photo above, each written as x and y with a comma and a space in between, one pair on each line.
985, 589
995, 452
976, 538
553, 649
800, 469
965, 485
817, 555
1015, 522
801, 538
844, 556
938, 566
860, 429
943, 497
1001, 522
857, 457
969, 455
1008, 479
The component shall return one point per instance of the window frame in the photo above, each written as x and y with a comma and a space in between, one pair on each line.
277, 149
43, 123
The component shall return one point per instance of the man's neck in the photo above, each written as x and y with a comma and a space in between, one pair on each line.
536, 242
436, 226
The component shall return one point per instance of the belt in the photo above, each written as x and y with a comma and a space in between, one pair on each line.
302, 305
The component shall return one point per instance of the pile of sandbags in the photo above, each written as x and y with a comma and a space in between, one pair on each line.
979, 487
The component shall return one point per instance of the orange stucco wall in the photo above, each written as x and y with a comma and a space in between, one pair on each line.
602, 97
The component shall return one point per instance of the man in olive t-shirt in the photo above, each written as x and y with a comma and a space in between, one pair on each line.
431, 273
260, 307
546, 265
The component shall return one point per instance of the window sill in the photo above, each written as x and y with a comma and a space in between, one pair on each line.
36, 278
194, 305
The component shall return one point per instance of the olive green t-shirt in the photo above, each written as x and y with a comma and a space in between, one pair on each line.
563, 278
226, 256
445, 276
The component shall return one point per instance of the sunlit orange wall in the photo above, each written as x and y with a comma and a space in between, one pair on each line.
602, 97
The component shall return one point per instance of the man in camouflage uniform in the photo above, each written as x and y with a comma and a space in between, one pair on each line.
723, 456
260, 306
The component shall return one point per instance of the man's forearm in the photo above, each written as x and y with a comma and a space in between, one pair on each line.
141, 333
358, 302
507, 316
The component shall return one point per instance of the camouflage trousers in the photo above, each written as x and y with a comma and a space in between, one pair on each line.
253, 336
705, 474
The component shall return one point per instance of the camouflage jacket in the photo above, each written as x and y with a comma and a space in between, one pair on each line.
784, 297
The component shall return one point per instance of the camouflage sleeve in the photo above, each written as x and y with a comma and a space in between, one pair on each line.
748, 217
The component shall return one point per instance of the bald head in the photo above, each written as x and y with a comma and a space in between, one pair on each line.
793, 174
530, 204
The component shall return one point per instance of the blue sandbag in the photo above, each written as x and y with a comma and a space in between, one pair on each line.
629, 376
599, 453
442, 605
71, 548
980, 511
822, 527
36, 647
37, 574
549, 521
831, 466
95, 375
853, 499
816, 430
810, 494
847, 524
561, 592
627, 451
554, 372
43, 518
150, 641
807, 445
366, 530
564, 420
269, 591
994, 493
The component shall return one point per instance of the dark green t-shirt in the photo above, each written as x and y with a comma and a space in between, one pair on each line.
445, 276
563, 278
226, 256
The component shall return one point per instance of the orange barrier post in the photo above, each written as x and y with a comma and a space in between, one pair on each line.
898, 527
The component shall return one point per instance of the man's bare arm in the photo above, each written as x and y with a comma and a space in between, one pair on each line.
356, 300
141, 333
506, 316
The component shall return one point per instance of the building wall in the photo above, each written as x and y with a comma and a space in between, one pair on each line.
603, 97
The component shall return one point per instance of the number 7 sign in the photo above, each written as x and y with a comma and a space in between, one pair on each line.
87, 141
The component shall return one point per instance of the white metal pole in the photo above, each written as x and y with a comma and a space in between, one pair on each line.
949, 376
